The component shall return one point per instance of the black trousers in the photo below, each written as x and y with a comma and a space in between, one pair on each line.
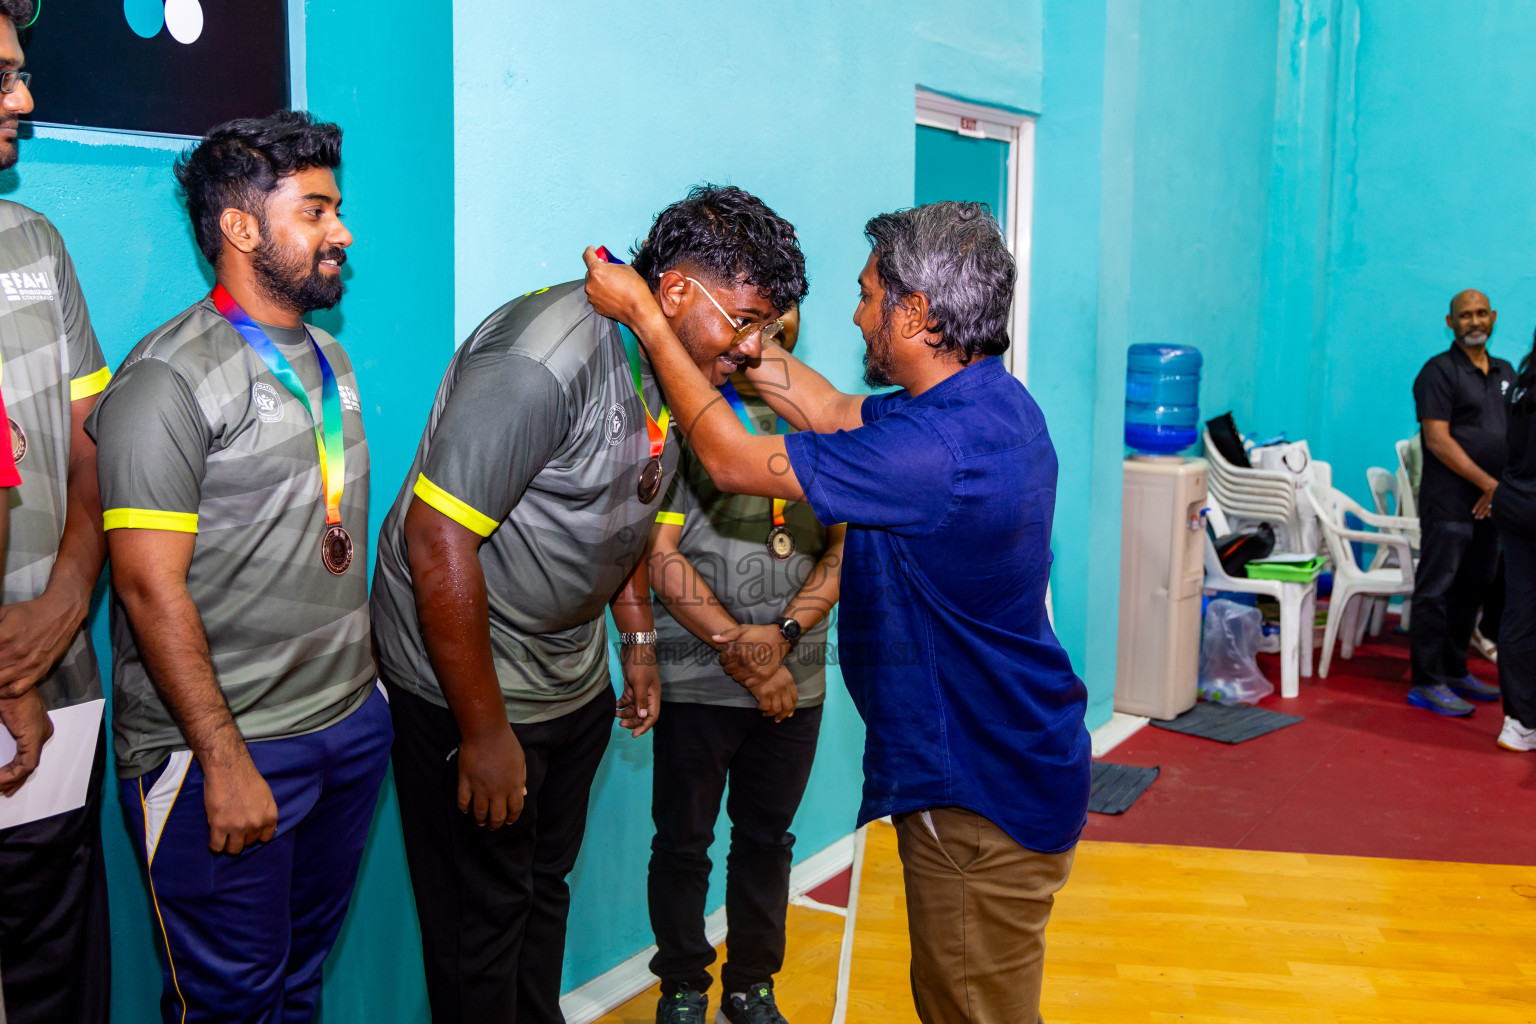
1456, 567
493, 904
697, 748
1517, 630
55, 939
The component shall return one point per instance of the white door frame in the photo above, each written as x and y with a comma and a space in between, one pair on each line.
1018, 130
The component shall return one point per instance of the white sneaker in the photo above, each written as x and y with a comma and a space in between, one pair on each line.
1515, 736
1487, 648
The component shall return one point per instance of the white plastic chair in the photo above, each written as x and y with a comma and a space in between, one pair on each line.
1387, 492
1253, 495
1298, 602
1349, 580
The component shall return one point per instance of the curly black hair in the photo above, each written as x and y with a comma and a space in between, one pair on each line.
733, 235
239, 163
19, 12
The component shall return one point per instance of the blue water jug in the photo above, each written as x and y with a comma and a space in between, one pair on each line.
1162, 398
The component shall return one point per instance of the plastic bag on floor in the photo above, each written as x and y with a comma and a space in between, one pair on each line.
1229, 669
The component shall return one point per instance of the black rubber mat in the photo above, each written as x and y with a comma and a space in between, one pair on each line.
1228, 723
1116, 786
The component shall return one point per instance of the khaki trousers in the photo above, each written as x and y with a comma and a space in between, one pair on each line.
977, 906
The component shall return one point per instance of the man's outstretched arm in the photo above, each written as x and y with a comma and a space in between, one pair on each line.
805, 398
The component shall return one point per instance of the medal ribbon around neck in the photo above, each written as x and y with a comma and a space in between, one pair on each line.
655, 428
328, 437
728, 390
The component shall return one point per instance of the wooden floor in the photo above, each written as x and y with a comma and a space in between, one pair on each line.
1201, 936
805, 989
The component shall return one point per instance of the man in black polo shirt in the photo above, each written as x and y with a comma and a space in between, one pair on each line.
1460, 397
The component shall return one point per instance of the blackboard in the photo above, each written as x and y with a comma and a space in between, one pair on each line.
92, 69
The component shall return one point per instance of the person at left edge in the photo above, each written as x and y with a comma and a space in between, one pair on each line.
251, 737
55, 940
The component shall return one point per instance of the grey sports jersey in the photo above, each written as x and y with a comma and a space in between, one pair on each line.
196, 434
48, 358
724, 537
536, 442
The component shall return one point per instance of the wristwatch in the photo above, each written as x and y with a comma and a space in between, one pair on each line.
789, 629
636, 639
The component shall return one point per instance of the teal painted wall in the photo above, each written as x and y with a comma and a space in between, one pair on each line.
576, 122
1153, 166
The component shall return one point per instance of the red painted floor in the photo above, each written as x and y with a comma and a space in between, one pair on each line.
834, 891
1365, 774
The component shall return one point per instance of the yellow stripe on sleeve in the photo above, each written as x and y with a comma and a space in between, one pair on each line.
90, 384
464, 514
669, 518
148, 519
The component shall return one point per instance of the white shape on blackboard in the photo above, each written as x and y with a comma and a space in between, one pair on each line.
184, 20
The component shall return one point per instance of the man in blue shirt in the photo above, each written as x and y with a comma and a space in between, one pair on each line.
975, 739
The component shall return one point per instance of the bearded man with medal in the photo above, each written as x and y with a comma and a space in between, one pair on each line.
524, 517
251, 734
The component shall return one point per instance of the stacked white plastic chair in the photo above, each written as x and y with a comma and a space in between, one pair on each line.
1255, 495
1297, 601
1387, 493
1350, 581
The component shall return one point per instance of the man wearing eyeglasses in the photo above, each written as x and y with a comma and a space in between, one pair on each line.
54, 936
525, 514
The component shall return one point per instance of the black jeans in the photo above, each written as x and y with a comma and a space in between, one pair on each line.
768, 763
492, 905
1456, 567
55, 939
1517, 630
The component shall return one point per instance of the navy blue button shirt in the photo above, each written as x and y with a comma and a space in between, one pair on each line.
967, 697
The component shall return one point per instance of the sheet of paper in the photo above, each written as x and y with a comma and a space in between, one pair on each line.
64, 771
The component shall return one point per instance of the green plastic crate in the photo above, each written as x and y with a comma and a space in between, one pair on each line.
1287, 572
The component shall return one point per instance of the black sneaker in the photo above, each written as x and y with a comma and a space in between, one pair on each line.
757, 1008
686, 1006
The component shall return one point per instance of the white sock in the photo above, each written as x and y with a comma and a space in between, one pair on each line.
738, 995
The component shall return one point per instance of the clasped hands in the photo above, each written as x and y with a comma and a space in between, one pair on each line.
754, 657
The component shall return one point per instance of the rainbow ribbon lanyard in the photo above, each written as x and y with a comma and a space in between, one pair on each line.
328, 437
728, 390
657, 429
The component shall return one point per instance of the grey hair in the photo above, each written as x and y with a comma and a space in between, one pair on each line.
18, 11
954, 254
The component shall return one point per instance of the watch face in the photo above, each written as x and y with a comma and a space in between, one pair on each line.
790, 629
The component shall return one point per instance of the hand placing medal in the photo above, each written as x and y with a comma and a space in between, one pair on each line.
656, 429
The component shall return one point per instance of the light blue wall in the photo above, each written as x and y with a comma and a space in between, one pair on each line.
1153, 158
576, 122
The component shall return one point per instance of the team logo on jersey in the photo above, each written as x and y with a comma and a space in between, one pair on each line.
349, 399
20, 286
268, 405
616, 423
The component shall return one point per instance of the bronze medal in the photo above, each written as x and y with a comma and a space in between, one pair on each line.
336, 550
650, 480
18, 442
781, 543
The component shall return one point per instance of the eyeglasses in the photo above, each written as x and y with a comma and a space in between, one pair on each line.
9, 80
770, 328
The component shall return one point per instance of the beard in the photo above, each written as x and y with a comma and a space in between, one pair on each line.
1474, 339
295, 282
10, 149
879, 366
